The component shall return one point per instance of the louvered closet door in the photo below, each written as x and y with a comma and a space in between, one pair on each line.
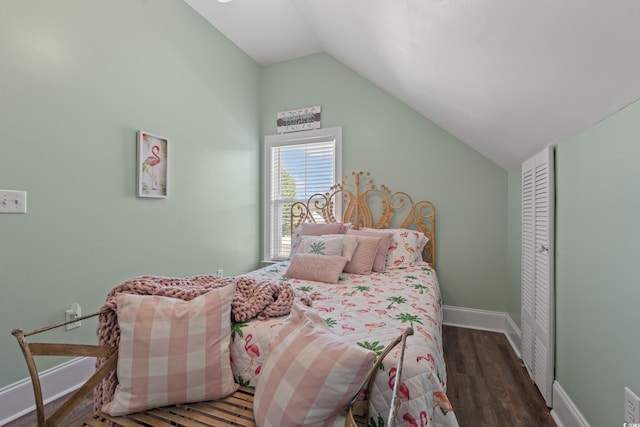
538, 295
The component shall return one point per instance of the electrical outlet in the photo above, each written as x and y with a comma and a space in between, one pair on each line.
220, 273
73, 313
631, 406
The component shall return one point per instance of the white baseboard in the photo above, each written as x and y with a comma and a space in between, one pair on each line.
17, 399
513, 334
565, 413
485, 320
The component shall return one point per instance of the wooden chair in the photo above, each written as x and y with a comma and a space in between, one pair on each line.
358, 413
234, 410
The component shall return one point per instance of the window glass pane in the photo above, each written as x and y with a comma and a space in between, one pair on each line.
297, 170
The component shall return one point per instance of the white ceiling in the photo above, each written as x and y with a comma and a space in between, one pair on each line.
507, 77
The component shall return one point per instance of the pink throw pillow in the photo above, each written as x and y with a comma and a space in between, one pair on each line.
364, 256
319, 268
309, 375
166, 350
309, 229
379, 263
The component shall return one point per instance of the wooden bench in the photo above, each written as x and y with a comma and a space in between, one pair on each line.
234, 410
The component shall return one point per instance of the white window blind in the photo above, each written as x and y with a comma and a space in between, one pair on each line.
297, 167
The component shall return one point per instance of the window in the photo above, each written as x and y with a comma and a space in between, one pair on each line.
297, 165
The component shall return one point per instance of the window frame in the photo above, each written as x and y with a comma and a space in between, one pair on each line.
294, 138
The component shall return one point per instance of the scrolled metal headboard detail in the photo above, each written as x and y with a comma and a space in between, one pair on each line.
366, 205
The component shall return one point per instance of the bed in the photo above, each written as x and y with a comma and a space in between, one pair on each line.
371, 307
305, 330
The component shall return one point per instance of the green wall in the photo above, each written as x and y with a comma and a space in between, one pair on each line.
77, 80
514, 244
407, 152
597, 291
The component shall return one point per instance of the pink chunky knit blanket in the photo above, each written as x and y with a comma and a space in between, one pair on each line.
252, 298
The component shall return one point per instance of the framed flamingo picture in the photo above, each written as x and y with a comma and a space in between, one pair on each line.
153, 165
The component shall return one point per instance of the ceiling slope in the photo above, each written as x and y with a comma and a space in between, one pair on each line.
506, 77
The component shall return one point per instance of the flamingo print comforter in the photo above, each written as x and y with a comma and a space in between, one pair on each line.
372, 311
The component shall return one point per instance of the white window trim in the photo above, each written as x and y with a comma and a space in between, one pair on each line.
310, 136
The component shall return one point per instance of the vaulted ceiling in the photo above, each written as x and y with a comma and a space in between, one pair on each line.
506, 77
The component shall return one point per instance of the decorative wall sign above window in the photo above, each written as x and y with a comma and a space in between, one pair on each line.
153, 167
302, 119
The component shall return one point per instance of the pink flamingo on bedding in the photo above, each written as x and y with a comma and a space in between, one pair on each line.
409, 420
424, 418
412, 421
372, 326
432, 363
426, 334
399, 260
348, 328
252, 351
430, 319
404, 390
420, 309
441, 400
381, 312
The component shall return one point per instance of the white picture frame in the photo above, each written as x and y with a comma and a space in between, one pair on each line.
153, 165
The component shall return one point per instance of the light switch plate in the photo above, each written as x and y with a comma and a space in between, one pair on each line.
631, 406
13, 201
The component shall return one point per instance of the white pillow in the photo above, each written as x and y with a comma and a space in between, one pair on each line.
349, 244
321, 245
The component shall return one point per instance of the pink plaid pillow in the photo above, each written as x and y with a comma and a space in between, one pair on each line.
172, 351
309, 375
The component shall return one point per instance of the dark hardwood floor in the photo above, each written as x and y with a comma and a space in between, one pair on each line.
487, 384
80, 413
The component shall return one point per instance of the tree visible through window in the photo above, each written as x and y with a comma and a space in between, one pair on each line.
288, 192
297, 165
